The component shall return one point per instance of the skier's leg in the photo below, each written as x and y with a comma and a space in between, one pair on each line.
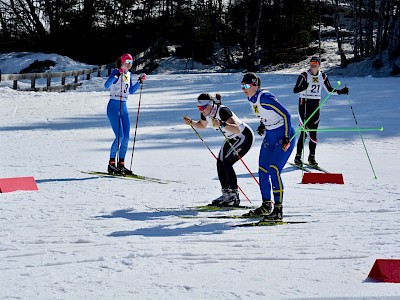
114, 118
125, 126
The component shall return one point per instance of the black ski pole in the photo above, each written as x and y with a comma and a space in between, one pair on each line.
304, 133
136, 126
119, 123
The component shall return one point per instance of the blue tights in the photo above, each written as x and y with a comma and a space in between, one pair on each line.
272, 159
119, 122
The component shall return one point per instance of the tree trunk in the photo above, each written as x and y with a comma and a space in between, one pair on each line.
369, 36
355, 34
256, 52
343, 59
34, 17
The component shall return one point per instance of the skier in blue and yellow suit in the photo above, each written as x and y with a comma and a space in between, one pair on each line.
275, 122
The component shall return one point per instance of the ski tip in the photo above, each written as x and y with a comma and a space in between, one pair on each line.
209, 207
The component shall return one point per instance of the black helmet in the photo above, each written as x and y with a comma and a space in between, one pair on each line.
251, 78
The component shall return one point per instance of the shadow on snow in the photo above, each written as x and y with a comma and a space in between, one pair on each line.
178, 228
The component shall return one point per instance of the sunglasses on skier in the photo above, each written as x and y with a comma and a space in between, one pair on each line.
129, 61
202, 107
246, 86
314, 63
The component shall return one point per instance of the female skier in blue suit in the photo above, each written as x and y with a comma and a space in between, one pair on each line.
120, 84
275, 122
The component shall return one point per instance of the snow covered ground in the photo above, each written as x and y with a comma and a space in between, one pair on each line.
84, 237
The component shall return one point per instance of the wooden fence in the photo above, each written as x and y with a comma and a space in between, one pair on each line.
143, 59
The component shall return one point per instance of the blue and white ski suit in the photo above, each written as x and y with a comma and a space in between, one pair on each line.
117, 111
272, 158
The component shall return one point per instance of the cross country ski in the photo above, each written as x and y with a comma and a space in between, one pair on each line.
309, 168
236, 217
270, 223
316, 167
202, 208
129, 176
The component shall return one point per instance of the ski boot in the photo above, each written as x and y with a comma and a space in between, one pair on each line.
123, 170
112, 169
312, 161
265, 209
224, 196
275, 216
232, 200
297, 160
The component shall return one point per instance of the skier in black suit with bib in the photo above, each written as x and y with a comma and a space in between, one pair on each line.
309, 86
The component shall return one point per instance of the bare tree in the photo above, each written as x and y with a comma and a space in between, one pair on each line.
343, 59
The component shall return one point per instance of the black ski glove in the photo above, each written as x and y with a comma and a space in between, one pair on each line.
261, 129
304, 86
343, 91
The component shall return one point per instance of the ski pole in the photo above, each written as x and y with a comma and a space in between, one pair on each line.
345, 129
359, 131
302, 127
203, 141
215, 157
237, 153
119, 123
303, 134
136, 126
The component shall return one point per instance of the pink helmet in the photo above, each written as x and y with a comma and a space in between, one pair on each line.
125, 57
